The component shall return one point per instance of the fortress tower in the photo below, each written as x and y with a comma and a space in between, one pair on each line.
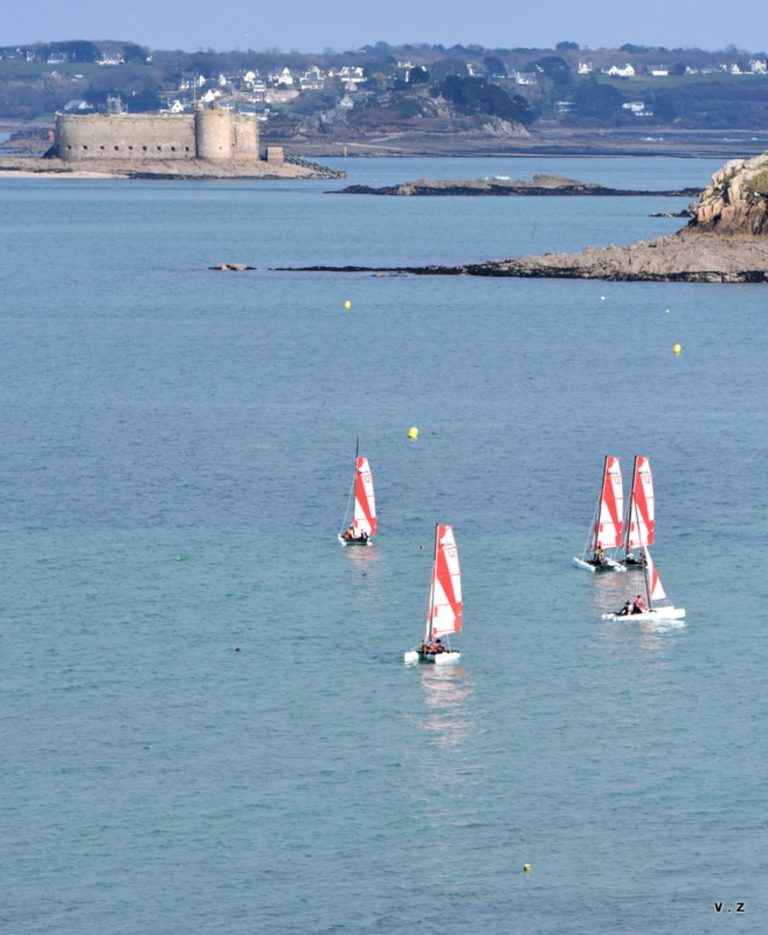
212, 135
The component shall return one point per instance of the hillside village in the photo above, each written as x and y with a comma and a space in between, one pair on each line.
381, 87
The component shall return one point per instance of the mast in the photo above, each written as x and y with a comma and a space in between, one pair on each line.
599, 507
641, 516
431, 600
632, 508
647, 572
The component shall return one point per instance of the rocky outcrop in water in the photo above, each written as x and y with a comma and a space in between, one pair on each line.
726, 241
736, 202
497, 185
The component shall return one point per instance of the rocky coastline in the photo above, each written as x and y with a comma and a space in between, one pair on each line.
726, 241
52, 167
499, 186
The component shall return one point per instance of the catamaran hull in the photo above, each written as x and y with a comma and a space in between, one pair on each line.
608, 565
346, 542
660, 613
437, 659
633, 565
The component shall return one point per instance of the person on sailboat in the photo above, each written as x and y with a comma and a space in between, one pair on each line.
638, 605
436, 646
349, 533
625, 609
599, 557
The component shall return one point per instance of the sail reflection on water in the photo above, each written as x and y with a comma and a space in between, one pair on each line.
448, 719
610, 591
364, 560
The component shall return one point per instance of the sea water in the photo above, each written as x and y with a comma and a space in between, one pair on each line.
206, 722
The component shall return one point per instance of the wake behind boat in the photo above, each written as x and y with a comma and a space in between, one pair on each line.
361, 523
444, 608
605, 531
639, 611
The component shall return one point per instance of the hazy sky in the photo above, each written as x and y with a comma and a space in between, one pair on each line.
343, 24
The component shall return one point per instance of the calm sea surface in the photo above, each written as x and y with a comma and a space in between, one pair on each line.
176, 460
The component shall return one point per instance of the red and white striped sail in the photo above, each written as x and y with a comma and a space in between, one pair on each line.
608, 524
653, 583
445, 607
364, 510
641, 520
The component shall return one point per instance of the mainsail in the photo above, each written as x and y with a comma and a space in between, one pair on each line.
641, 516
607, 529
445, 607
653, 583
364, 510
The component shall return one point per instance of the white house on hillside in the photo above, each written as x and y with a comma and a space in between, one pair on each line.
619, 71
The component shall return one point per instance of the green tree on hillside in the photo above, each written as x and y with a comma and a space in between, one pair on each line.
478, 96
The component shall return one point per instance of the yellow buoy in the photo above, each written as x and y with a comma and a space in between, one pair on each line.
347, 304
413, 433
677, 349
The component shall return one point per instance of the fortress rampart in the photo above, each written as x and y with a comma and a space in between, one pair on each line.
212, 135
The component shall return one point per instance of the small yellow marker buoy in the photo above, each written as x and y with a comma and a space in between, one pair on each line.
347, 304
527, 868
677, 349
413, 433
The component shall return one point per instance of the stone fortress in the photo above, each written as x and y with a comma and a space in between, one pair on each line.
210, 143
213, 135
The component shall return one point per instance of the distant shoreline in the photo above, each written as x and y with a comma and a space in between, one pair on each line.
188, 169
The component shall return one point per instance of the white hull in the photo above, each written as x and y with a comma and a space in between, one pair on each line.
609, 565
658, 613
438, 659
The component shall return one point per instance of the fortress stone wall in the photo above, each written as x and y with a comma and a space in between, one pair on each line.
213, 135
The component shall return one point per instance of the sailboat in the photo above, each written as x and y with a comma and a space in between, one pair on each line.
640, 524
362, 524
444, 608
654, 592
605, 531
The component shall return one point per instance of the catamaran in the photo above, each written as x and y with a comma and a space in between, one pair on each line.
361, 525
605, 531
444, 608
640, 524
654, 592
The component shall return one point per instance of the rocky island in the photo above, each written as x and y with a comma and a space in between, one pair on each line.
726, 240
500, 185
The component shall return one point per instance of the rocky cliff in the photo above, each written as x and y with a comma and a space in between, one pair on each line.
736, 201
